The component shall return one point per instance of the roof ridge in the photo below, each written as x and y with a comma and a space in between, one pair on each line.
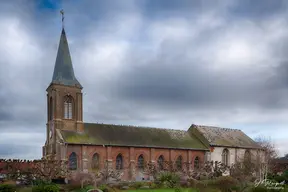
216, 127
139, 127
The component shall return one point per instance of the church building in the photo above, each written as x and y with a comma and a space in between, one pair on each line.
89, 146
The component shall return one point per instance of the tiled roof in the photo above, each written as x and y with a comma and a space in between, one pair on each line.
225, 137
122, 135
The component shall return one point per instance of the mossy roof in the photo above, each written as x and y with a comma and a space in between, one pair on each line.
217, 136
121, 135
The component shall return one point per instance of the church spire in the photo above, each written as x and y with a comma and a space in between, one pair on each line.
63, 70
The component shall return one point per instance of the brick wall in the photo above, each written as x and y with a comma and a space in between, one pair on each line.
130, 156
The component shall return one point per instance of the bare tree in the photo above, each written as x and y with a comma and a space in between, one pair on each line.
270, 152
50, 169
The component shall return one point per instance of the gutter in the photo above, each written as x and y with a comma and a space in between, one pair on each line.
232, 146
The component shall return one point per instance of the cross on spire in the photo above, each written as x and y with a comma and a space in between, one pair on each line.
62, 13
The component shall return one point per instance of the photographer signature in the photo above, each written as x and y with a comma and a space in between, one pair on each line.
270, 184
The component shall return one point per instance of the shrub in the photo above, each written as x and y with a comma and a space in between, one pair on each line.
177, 189
103, 188
45, 188
38, 188
40, 182
51, 188
168, 179
259, 189
136, 185
7, 188
279, 178
153, 185
225, 183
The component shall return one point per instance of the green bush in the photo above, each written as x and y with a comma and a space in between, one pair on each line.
136, 185
279, 178
153, 185
45, 188
225, 183
7, 188
51, 188
103, 188
168, 179
259, 189
177, 189
38, 188
40, 182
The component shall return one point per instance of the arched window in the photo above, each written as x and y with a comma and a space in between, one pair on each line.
225, 157
119, 162
161, 162
68, 107
140, 162
179, 163
196, 163
247, 156
95, 161
51, 109
73, 161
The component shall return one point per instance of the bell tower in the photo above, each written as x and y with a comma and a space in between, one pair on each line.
64, 98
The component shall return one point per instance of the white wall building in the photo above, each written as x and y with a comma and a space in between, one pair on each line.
228, 145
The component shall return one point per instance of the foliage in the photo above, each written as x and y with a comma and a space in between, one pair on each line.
45, 188
38, 188
51, 188
177, 189
103, 188
7, 188
225, 183
136, 185
259, 188
29, 170
153, 185
84, 189
40, 182
82, 178
168, 179
279, 178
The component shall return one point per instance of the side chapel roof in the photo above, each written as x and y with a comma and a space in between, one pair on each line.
225, 137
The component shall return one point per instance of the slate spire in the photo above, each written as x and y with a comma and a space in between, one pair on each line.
63, 70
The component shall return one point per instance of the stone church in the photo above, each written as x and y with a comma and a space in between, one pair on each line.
89, 146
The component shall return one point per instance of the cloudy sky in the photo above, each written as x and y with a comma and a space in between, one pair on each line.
159, 63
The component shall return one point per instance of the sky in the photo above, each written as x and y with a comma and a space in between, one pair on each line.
156, 63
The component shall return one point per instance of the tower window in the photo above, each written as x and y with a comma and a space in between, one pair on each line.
68, 107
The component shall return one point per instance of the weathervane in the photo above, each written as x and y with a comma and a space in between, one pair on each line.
62, 13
